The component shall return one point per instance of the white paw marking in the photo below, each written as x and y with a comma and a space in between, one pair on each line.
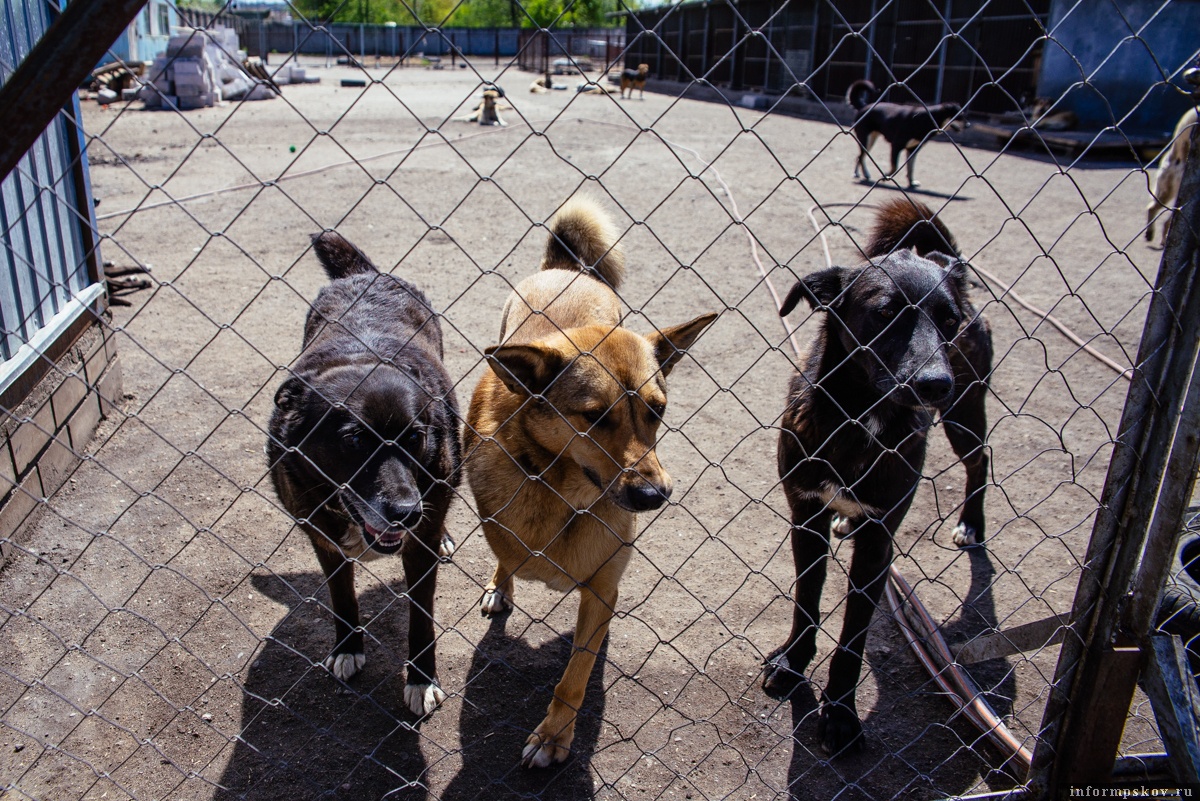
841, 527
494, 602
536, 755
965, 536
343, 666
446, 547
422, 699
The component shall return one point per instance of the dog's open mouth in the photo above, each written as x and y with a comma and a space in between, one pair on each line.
387, 540
381, 540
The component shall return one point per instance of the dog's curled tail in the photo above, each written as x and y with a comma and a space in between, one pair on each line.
340, 258
861, 94
903, 223
583, 237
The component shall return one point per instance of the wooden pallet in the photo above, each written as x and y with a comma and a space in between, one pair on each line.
1076, 143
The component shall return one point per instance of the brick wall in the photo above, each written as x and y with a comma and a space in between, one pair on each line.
44, 437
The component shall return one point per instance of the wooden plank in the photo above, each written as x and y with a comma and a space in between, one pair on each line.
1017, 640
1094, 751
1172, 690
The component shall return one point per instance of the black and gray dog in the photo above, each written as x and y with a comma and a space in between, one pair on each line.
364, 449
905, 127
899, 343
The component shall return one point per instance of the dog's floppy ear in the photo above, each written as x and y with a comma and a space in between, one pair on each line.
819, 289
525, 369
671, 343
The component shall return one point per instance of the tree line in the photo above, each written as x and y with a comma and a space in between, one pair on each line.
466, 13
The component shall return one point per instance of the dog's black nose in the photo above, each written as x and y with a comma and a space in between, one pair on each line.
406, 516
642, 497
934, 388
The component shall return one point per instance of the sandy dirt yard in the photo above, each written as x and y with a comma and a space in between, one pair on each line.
164, 626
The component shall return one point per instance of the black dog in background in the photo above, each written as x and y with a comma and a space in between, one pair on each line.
905, 127
364, 449
899, 341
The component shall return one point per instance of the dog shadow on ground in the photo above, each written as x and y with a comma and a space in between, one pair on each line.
895, 186
305, 734
911, 742
508, 687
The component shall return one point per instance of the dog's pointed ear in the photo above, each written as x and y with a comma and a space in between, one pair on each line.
954, 267
671, 343
819, 289
526, 369
288, 396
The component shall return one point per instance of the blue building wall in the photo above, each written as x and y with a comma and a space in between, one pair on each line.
1117, 62
147, 35
47, 246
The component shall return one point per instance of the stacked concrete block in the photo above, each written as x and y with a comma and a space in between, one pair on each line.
201, 67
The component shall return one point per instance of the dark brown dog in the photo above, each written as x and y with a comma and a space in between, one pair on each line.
559, 443
635, 79
905, 127
364, 449
899, 342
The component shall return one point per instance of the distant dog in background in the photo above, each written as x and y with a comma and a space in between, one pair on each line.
487, 112
899, 343
364, 452
905, 127
1170, 168
635, 79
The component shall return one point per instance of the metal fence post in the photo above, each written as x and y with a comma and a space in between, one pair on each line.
1097, 667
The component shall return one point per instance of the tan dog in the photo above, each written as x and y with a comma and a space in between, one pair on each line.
635, 79
1169, 175
488, 110
560, 443
1170, 168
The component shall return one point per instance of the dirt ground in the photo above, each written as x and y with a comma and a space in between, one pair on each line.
165, 623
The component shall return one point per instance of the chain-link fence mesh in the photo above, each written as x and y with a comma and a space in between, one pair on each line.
166, 626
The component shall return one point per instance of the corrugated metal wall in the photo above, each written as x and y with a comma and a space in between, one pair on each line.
45, 230
985, 51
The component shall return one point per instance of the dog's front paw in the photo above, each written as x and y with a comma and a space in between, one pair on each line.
781, 680
494, 602
446, 546
548, 744
422, 699
913, 184
839, 729
343, 666
965, 535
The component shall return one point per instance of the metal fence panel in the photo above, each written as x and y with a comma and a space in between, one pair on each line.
168, 632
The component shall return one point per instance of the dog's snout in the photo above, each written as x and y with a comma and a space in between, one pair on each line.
404, 515
642, 496
933, 388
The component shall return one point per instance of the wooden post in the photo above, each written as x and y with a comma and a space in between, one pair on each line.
1090, 694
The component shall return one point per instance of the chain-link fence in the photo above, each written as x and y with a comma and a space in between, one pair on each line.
167, 631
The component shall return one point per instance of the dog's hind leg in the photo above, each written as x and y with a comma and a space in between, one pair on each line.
551, 740
864, 145
810, 551
422, 693
347, 657
911, 155
839, 727
498, 594
966, 426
